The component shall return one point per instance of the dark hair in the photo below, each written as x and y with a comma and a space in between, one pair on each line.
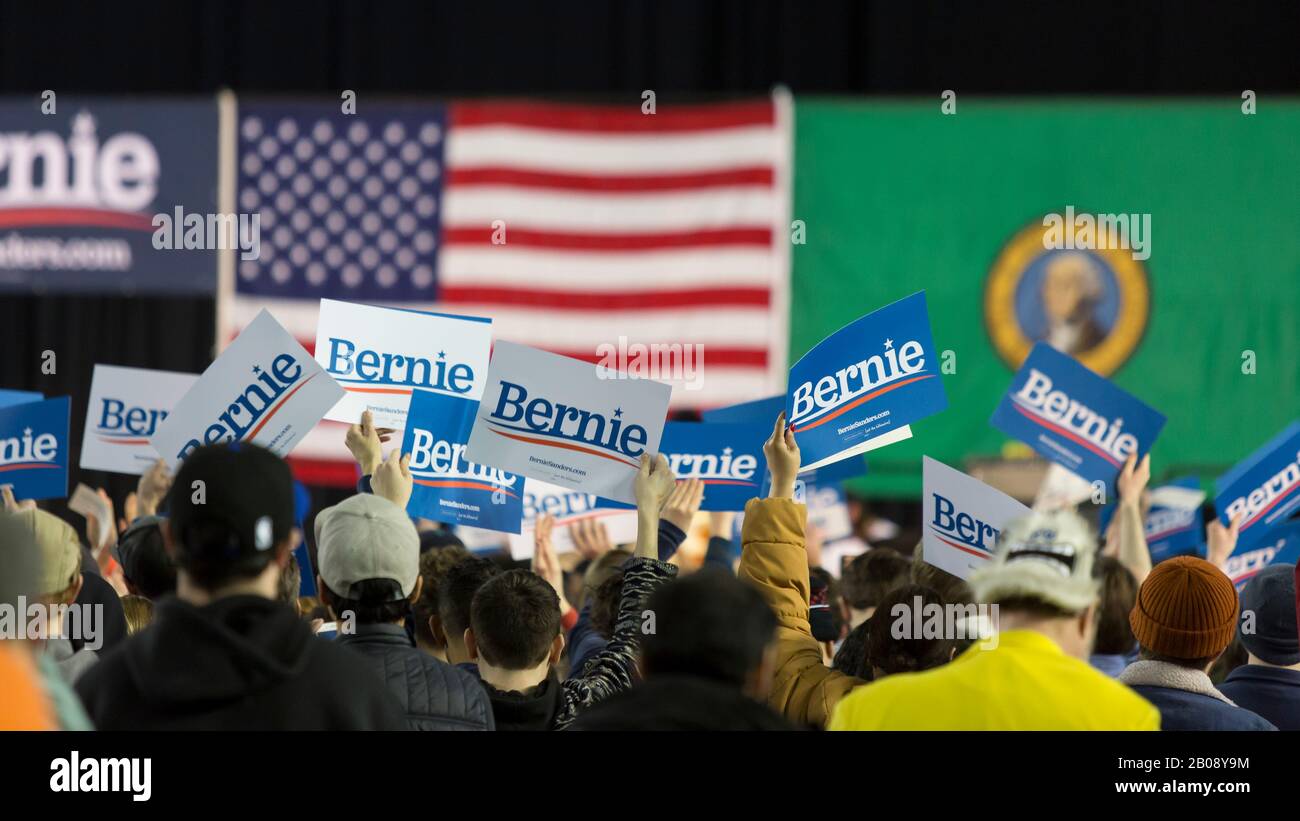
708, 624
953, 589
439, 539
604, 604
377, 601
434, 564
905, 655
873, 574
851, 659
290, 582
457, 588
148, 569
516, 617
1119, 589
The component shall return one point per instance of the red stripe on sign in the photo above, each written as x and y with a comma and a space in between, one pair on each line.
563, 445
713, 357
850, 406
324, 472
521, 237
611, 183
471, 485
611, 119
249, 436
962, 547
1068, 434
100, 218
606, 301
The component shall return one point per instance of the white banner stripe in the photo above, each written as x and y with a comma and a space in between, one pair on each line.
539, 150
745, 328
586, 213
503, 266
584, 330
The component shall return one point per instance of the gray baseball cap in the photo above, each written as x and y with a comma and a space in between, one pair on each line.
366, 537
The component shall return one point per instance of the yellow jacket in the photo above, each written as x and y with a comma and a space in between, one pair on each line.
1025, 683
803, 689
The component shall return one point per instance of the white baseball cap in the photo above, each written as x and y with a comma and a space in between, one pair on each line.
366, 537
1045, 556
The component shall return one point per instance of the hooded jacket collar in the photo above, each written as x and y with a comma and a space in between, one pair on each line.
1152, 673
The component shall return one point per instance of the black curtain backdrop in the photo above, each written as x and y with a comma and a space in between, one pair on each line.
682, 49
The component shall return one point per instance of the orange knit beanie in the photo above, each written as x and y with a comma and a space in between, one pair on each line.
1186, 609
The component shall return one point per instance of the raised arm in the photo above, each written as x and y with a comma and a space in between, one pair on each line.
612, 669
1130, 529
774, 559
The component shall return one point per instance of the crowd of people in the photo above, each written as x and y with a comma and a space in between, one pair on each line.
199, 622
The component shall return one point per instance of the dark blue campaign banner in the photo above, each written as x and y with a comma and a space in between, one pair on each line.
727, 457
1171, 530
8, 397
1264, 488
448, 487
34, 448
85, 190
1277, 545
1074, 417
861, 387
765, 411
759, 410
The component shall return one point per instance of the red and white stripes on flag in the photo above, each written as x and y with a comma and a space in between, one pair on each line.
576, 227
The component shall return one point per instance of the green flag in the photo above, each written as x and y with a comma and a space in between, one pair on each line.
1185, 290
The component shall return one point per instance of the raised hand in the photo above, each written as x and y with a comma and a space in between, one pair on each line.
152, 489
683, 503
590, 538
782, 454
1222, 541
392, 479
363, 442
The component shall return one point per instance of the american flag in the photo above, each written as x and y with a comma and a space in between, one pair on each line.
570, 226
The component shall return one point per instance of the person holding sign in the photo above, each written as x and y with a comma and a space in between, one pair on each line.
1040, 576
223, 654
515, 638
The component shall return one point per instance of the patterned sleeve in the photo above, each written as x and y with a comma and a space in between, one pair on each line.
611, 670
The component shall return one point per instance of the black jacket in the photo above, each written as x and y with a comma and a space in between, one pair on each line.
434, 695
680, 703
240, 663
1270, 692
535, 709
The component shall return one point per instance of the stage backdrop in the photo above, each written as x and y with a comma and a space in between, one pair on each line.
896, 197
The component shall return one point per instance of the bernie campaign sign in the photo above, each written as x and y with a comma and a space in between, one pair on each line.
1278, 545
1173, 522
764, 412
860, 388
263, 389
448, 486
568, 507
554, 418
1074, 417
963, 518
728, 458
125, 409
8, 397
34, 448
94, 192
382, 356
1264, 488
